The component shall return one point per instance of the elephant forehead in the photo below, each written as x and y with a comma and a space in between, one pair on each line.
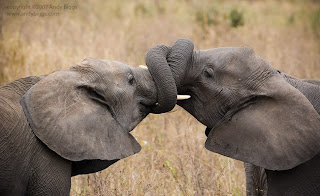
224, 55
115, 66
108, 70
105, 65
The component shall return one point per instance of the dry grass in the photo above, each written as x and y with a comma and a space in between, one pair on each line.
173, 160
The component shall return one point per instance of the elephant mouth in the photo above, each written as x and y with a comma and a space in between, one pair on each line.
146, 108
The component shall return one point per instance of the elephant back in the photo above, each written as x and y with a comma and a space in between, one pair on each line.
10, 95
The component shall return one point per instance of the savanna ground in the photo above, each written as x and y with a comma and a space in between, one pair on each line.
173, 160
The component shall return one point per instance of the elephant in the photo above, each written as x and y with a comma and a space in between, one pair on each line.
70, 122
252, 112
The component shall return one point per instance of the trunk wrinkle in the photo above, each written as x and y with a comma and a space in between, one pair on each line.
168, 68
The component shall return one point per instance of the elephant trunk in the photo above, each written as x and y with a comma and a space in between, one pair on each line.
180, 58
168, 67
161, 73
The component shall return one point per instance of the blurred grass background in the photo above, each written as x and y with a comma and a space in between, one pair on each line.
173, 160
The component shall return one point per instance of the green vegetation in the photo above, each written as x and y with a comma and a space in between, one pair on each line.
140, 9
315, 21
236, 18
207, 16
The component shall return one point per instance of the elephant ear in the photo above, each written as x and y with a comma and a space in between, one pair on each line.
279, 131
64, 117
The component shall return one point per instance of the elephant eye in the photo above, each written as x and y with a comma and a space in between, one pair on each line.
208, 72
131, 79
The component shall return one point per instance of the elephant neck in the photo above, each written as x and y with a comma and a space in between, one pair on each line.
309, 90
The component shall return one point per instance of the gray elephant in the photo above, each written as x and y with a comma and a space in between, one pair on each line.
253, 112
70, 122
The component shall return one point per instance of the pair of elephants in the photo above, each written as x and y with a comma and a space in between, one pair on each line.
78, 121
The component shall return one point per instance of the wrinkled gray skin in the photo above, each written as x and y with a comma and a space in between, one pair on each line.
253, 112
70, 122
256, 176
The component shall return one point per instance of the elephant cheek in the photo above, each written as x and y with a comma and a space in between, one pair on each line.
130, 118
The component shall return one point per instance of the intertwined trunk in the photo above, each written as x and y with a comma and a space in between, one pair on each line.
167, 66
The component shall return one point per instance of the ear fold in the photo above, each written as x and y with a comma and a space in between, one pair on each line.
278, 132
62, 116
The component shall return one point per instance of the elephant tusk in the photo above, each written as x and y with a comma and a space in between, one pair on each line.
183, 97
143, 67
180, 97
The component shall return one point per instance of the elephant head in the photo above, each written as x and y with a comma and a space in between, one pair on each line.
86, 112
252, 114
